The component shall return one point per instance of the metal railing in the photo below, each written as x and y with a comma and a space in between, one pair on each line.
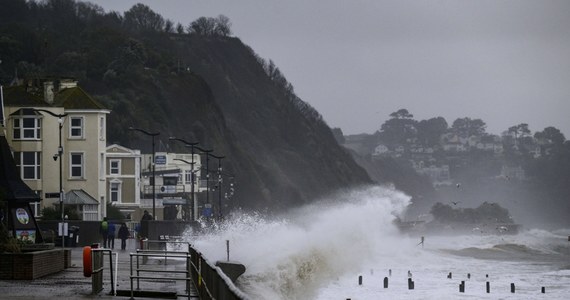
210, 281
98, 265
164, 254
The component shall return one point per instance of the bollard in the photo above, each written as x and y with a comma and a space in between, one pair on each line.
512, 288
468, 275
488, 287
462, 287
449, 276
543, 290
386, 282
390, 272
360, 280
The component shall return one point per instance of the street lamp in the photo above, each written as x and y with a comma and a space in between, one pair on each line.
55, 157
207, 152
219, 184
153, 168
191, 145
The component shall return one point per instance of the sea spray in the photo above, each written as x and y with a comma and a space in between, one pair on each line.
293, 255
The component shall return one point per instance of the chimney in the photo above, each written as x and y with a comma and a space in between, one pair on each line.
67, 83
48, 92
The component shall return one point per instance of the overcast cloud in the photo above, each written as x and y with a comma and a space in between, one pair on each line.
357, 61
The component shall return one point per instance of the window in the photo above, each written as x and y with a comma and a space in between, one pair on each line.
115, 168
188, 176
102, 128
76, 127
27, 128
115, 191
76, 165
28, 163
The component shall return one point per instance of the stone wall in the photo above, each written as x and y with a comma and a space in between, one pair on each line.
32, 265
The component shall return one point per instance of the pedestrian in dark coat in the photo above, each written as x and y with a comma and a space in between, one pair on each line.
124, 235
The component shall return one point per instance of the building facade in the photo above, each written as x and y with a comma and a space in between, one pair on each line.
123, 169
34, 132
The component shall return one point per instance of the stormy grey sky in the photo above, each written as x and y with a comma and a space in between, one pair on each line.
356, 61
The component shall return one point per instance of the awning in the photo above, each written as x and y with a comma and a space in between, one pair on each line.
175, 202
79, 197
161, 172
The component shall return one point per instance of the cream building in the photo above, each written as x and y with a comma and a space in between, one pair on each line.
34, 135
123, 168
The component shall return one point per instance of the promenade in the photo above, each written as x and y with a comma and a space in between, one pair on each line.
71, 283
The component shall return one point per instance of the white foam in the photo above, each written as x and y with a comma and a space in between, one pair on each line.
319, 251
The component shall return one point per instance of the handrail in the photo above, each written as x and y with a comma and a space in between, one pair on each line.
158, 253
102, 268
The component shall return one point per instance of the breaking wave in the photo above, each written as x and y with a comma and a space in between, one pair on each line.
292, 256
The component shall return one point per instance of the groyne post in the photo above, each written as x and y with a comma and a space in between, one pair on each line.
468, 275
390, 272
488, 284
512, 288
462, 287
543, 290
360, 280
449, 276
386, 282
410, 284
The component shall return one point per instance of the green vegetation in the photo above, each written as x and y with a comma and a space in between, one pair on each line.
193, 81
524, 170
54, 212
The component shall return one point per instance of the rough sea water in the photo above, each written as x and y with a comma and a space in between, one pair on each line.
320, 251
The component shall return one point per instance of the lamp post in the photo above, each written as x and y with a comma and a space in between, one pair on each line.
219, 185
153, 168
191, 145
60, 156
207, 152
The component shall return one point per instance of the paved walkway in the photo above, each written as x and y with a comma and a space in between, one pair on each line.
71, 284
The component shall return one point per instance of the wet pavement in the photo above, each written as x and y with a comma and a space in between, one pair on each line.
72, 284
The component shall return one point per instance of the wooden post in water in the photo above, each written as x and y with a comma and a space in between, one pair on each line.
228, 248
468, 275
360, 280
386, 282
512, 288
543, 290
390, 272
449, 276
410, 284
462, 287
488, 287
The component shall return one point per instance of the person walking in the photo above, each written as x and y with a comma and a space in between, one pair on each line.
104, 231
124, 235
111, 236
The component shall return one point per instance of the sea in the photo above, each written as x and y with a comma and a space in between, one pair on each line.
346, 246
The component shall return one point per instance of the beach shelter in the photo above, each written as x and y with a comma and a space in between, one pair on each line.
16, 196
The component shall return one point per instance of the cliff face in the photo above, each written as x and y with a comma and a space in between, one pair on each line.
292, 151
281, 152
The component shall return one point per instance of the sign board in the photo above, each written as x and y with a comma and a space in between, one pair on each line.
52, 195
160, 159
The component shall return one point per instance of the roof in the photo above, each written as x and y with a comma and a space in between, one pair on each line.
76, 98
19, 96
68, 98
79, 197
12, 188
